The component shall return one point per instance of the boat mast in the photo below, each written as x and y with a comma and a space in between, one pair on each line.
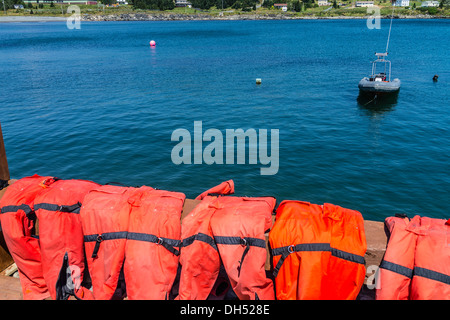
390, 27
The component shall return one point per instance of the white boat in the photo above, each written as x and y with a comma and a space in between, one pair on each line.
380, 82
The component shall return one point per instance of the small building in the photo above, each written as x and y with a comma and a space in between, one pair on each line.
364, 4
182, 3
18, 6
430, 4
401, 3
323, 3
282, 6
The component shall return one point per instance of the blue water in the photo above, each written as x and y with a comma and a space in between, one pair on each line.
99, 104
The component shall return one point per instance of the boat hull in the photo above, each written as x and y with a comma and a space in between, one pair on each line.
379, 87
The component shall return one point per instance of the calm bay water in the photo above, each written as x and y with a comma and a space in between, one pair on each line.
98, 103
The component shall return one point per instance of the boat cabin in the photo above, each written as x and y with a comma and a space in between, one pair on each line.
383, 64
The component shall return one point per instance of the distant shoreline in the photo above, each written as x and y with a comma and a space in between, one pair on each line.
177, 17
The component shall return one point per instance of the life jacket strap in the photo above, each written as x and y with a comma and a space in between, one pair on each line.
167, 243
199, 237
415, 272
287, 250
26, 208
247, 242
75, 208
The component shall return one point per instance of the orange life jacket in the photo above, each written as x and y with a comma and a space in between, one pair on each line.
416, 264
396, 268
17, 219
228, 230
134, 232
61, 237
199, 258
318, 251
239, 225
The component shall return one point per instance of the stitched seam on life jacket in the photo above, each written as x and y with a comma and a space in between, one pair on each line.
26, 208
75, 208
254, 242
432, 275
404, 271
199, 237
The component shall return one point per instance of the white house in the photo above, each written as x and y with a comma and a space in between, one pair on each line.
401, 3
323, 3
364, 4
182, 3
282, 6
430, 4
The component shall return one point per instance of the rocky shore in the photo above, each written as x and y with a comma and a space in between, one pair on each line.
200, 16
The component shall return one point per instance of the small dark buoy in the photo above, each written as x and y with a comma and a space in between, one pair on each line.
435, 78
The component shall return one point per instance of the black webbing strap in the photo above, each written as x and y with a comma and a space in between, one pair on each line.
287, 250
169, 244
26, 208
432, 275
243, 241
416, 272
99, 238
399, 269
199, 237
75, 208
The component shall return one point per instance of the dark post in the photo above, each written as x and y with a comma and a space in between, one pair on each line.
4, 170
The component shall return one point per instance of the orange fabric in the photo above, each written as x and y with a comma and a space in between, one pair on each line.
61, 235
432, 253
139, 231
105, 212
344, 277
308, 243
226, 187
393, 285
199, 259
18, 229
150, 268
238, 226
416, 265
228, 230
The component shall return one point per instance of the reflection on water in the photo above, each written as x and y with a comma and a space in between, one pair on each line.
374, 105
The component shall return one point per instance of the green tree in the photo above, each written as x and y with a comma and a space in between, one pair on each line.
296, 6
